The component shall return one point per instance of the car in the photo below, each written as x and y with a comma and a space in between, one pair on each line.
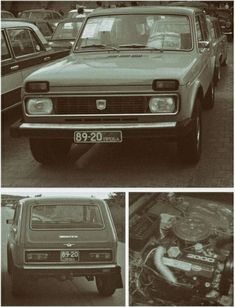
23, 50
225, 17
66, 33
219, 43
51, 16
63, 238
79, 12
7, 14
119, 82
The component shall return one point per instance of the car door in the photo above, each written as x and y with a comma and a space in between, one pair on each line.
206, 55
29, 54
11, 75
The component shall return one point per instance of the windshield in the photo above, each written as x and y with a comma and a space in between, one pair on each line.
165, 32
41, 15
66, 216
67, 30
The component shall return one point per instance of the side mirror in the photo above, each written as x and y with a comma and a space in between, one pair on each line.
10, 221
203, 45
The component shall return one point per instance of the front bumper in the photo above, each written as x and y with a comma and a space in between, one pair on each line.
171, 129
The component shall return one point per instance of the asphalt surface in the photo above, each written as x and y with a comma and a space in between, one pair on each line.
51, 292
134, 163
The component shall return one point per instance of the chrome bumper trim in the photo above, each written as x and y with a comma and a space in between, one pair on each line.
68, 267
97, 126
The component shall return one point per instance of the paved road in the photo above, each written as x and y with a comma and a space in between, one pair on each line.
134, 163
50, 292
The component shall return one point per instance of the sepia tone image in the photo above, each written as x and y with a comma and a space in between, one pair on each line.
181, 249
91, 89
63, 248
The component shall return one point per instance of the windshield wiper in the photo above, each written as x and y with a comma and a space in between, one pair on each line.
100, 46
132, 46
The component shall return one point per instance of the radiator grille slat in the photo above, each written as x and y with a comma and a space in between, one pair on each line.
114, 105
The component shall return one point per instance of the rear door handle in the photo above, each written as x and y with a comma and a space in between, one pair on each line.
14, 67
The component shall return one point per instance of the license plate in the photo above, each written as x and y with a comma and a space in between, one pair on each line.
69, 256
98, 136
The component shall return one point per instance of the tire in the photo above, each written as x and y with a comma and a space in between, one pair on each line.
17, 282
209, 99
189, 146
104, 286
217, 75
50, 151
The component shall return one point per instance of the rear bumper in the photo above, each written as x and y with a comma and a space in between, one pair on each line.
171, 129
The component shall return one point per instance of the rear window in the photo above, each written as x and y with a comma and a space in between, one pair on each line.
66, 216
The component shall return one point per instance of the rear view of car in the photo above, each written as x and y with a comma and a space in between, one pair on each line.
63, 238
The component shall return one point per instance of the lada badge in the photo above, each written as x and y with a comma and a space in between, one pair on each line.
69, 244
101, 104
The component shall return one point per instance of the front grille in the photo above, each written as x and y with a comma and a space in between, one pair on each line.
114, 105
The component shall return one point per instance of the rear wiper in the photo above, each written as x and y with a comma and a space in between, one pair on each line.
99, 46
132, 46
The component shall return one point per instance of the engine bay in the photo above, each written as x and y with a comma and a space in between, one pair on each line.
181, 252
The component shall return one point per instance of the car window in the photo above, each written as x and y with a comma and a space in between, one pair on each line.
68, 30
131, 31
24, 15
45, 28
56, 16
5, 52
23, 42
198, 29
66, 216
204, 28
16, 214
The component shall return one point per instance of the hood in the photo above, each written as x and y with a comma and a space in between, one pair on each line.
117, 68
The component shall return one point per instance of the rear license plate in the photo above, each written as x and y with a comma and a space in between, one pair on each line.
69, 256
98, 136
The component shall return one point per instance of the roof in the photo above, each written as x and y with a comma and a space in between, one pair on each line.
40, 10
74, 19
54, 199
174, 10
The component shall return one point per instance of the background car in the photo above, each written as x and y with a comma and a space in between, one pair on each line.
23, 50
77, 13
225, 17
219, 44
66, 33
49, 15
7, 14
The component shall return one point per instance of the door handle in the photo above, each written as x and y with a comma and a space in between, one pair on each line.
47, 58
14, 67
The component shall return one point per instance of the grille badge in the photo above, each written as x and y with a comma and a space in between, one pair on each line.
101, 104
69, 244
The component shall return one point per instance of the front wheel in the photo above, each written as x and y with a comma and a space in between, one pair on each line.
189, 146
104, 286
50, 151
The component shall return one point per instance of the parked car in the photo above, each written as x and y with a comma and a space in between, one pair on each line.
225, 17
43, 25
53, 17
66, 33
77, 13
63, 238
120, 83
219, 44
23, 50
7, 14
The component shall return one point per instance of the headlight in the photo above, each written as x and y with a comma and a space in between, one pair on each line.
36, 86
162, 104
39, 106
165, 85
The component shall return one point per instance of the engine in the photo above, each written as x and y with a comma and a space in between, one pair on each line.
189, 259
